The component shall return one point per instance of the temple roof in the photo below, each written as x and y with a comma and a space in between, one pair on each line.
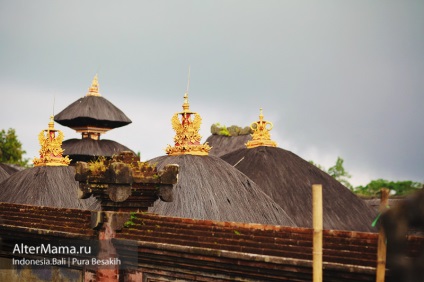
45, 186
222, 145
11, 168
87, 149
51, 182
3, 174
209, 188
92, 112
287, 179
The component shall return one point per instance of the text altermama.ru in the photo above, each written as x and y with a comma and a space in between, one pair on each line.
51, 249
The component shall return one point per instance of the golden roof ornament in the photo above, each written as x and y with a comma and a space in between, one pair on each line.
94, 88
51, 148
260, 135
187, 137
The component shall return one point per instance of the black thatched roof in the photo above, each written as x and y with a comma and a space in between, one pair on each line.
3, 174
222, 145
87, 149
287, 179
11, 168
92, 111
209, 188
45, 186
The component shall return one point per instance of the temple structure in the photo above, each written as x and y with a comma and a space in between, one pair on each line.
51, 182
3, 174
92, 116
208, 187
227, 139
287, 179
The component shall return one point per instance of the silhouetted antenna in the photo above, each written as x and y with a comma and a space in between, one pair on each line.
188, 80
54, 100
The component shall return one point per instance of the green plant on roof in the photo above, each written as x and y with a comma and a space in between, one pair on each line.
236, 232
98, 166
233, 130
130, 221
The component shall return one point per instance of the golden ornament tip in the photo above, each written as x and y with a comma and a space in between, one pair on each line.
187, 138
51, 147
186, 105
94, 88
51, 123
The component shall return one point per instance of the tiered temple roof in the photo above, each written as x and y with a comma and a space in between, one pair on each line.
92, 115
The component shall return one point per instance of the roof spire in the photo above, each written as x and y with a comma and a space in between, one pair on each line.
260, 135
187, 137
51, 148
94, 88
186, 105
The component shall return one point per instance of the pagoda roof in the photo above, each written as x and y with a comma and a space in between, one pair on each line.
92, 111
86, 149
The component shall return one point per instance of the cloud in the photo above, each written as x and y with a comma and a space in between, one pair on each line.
336, 79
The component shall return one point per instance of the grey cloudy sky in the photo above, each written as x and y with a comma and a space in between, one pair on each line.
337, 78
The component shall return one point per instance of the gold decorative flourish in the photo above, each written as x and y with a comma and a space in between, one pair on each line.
186, 125
260, 135
94, 88
51, 148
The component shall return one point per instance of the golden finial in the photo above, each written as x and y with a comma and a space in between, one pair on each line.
94, 88
51, 148
187, 137
186, 105
260, 135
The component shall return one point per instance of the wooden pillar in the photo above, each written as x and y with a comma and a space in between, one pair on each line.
382, 248
317, 225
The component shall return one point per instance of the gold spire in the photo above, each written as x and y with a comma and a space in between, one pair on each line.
94, 88
187, 137
51, 148
260, 135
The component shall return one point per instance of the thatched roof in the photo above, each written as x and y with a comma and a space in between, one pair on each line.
3, 174
87, 149
11, 168
92, 111
209, 188
222, 145
287, 179
45, 186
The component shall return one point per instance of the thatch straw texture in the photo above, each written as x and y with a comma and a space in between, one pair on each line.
45, 186
92, 111
3, 174
222, 145
209, 188
287, 179
87, 149
11, 168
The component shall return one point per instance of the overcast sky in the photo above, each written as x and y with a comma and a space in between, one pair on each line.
337, 78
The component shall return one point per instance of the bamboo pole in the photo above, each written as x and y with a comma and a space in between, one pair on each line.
382, 248
317, 225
